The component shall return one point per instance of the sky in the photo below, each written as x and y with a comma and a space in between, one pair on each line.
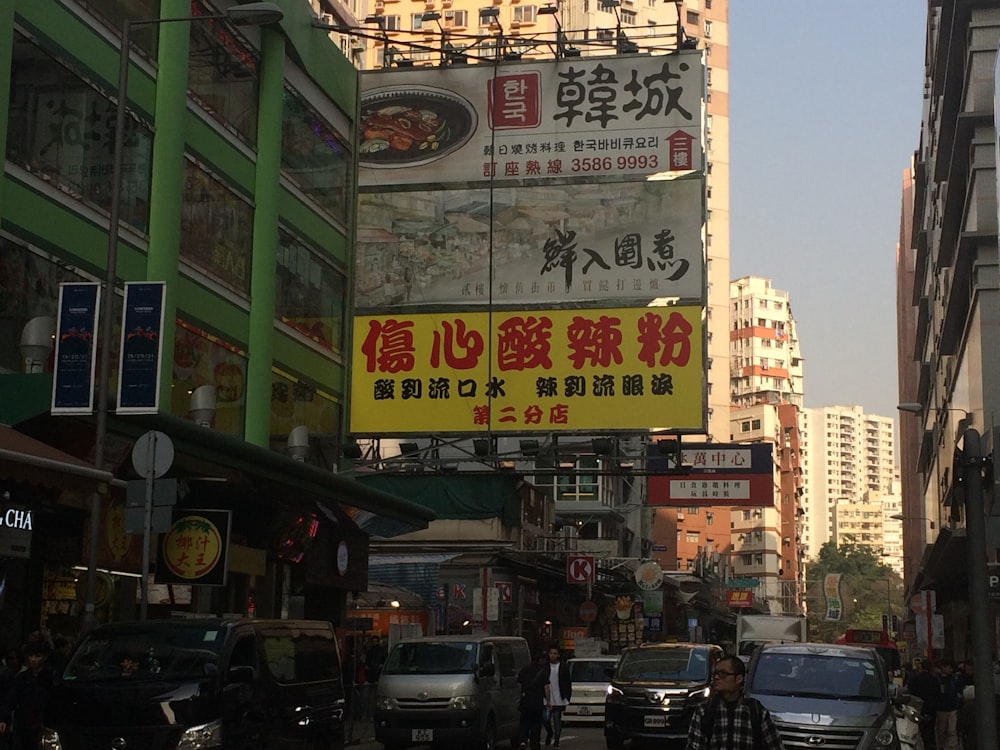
825, 102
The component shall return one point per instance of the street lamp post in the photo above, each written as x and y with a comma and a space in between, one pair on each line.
251, 14
969, 466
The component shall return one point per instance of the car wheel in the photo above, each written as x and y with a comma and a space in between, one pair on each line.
489, 740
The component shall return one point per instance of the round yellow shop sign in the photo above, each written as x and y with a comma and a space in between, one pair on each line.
193, 547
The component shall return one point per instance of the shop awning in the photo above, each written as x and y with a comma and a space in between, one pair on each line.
202, 454
24, 459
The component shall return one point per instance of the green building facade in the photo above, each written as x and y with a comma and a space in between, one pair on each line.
238, 191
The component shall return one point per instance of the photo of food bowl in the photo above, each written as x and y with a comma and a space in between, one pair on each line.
412, 125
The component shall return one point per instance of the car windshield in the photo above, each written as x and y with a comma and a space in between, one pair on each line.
664, 664
822, 676
156, 652
591, 671
431, 658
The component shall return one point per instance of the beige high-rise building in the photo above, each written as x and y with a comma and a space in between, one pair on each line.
847, 455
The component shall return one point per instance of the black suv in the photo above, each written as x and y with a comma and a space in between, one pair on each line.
655, 689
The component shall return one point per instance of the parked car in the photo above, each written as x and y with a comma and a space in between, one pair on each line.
655, 689
450, 690
200, 683
591, 677
825, 695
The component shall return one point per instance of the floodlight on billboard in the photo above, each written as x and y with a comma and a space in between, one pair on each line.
544, 370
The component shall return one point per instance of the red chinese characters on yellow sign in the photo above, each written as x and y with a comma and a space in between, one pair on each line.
628, 368
192, 548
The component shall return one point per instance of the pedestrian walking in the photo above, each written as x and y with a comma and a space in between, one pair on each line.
729, 719
23, 708
946, 708
534, 681
560, 691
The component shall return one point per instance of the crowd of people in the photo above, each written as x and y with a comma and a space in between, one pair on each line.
948, 706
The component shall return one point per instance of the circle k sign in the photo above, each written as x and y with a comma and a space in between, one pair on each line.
580, 569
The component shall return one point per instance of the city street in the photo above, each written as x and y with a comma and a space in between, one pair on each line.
573, 738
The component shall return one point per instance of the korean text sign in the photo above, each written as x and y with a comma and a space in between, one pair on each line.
544, 370
534, 120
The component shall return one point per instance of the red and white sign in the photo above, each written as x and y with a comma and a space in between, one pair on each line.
739, 599
506, 589
458, 591
588, 611
580, 569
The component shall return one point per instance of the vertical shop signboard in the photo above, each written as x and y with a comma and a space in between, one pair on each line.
76, 348
141, 348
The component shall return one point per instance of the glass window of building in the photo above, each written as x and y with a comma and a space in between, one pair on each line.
62, 129
316, 157
114, 13
310, 293
222, 74
203, 359
295, 402
29, 289
216, 229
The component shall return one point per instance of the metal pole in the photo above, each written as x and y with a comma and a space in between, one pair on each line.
979, 607
107, 321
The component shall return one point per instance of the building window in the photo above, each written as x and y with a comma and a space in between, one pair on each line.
628, 16
316, 157
755, 424
456, 18
393, 23
746, 515
524, 13
416, 21
61, 128
758, 559
692, 18
708, 29
310, 294
746, 559
222, 75
691, 537
216, 229
745, 426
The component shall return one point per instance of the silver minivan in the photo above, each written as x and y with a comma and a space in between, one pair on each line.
450, 690
822, 695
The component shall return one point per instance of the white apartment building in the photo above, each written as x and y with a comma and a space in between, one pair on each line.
846, 454
765, 360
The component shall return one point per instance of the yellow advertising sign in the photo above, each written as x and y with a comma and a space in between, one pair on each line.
544, 370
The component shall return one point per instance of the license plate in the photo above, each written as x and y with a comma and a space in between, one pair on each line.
584, 710
423, 735
654, 721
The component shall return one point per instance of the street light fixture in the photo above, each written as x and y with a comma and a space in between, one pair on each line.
970, 463
250, 14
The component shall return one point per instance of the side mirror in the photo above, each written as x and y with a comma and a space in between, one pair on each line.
240, 674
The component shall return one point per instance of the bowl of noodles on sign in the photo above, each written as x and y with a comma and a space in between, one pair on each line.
412, 125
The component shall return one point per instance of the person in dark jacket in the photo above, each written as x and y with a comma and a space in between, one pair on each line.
534, 681
23, 707
560, 691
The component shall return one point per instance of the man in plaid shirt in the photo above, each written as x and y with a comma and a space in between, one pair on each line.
728, 720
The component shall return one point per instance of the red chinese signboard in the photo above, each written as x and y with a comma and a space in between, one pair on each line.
739, 599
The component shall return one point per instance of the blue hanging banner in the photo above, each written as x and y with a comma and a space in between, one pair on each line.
76, 348
141, 344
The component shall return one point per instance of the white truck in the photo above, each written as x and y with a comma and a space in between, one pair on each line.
754, 630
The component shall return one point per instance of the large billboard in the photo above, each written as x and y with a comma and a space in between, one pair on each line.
547, 245
617, 117
529, 248
548, 370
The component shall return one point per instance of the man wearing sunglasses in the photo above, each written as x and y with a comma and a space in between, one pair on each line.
729, 720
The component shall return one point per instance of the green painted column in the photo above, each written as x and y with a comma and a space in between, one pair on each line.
265, 238
166, 193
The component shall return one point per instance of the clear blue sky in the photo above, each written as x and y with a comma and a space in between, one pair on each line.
825, 103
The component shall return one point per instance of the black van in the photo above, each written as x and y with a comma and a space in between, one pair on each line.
195, 684
655, 689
